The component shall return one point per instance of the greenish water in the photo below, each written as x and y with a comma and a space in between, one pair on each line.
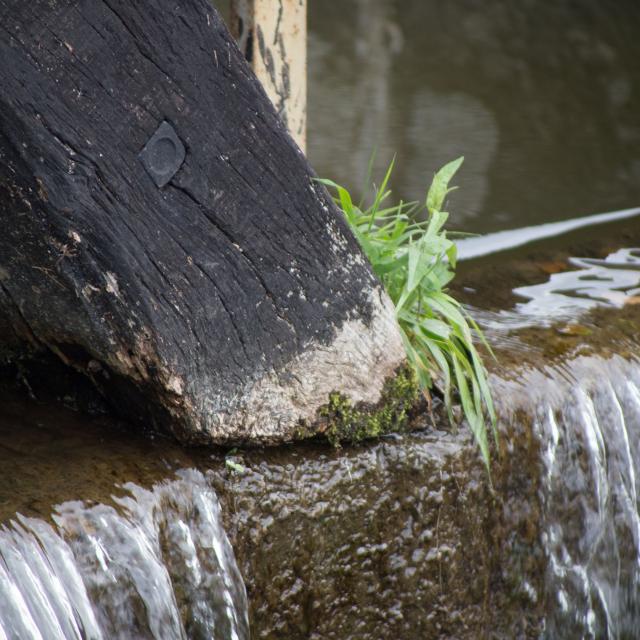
540, 97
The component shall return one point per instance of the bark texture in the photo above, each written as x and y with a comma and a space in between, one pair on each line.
224, 305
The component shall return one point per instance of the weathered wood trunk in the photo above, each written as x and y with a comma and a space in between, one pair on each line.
226, 303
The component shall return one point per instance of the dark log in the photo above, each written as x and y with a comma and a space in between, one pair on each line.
224, 305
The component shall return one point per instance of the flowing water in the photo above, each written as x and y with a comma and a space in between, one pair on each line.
571, 370
110, 535
385, 540
155, 564
592, 528
120, 537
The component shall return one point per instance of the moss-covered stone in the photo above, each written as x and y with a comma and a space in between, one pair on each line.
341, 421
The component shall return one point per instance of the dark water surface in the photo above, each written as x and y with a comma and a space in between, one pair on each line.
556, 279
542, 98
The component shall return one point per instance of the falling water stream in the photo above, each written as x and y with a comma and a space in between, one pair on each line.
573, 334
585, 414
386, 540
592, 528
155, 564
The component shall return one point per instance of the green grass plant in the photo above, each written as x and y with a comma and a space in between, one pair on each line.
410, 252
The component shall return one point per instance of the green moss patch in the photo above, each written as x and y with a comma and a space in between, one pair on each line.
340, 421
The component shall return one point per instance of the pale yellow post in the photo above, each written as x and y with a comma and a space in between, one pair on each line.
272, 34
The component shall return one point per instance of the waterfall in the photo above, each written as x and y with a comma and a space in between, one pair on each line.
589, 429
397, 538
155, 564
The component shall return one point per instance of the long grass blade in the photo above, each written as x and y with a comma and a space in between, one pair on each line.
415, 261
